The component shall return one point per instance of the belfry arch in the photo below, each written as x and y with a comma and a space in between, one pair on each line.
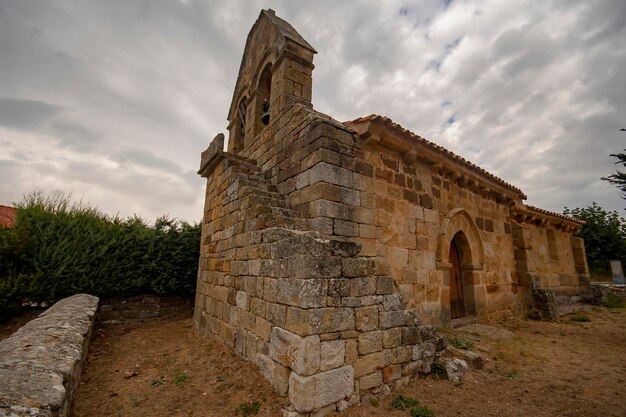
460, 255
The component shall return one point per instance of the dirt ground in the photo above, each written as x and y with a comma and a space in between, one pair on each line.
161, 367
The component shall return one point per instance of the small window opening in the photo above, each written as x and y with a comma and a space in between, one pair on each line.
239, 133
552, 248
265, 118
263, 99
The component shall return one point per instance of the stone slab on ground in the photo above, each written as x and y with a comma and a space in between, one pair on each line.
483, 330
564, 309
41, 363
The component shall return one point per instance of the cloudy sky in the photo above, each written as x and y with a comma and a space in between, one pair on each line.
114, 100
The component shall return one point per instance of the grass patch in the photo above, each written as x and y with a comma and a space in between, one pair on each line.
180, 377
421, 411
403, 403
580, 318
248, 409
462, 343
374, 402
158, 382
613, 301
437, 369
512, 374
415, 409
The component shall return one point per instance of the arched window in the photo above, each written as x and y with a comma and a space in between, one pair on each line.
239, 136
264, 99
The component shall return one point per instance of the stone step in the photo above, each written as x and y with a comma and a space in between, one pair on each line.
462, 321
286, 212
255, 200
249, 190
254, 183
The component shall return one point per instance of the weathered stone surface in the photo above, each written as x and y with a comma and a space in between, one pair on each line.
366, 318
308, 393
324, 411
370, 342
41, 363
370, 381
392, 337
305, 293
389, 319
369, 363
277, 374
455, 368
242, 300
302, 354
319, 320
332, 354
391, 373
344, 232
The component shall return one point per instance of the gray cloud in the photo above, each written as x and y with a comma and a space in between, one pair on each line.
25, 114
115, 100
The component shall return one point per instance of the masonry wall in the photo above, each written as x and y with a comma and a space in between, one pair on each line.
324, 324
325, 249
403, 225
559, 265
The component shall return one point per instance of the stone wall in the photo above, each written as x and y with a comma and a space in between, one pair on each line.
409, 208
41, 363
324, 324
325, 245
113, 310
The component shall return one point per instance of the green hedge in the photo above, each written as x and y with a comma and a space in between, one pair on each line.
59, 248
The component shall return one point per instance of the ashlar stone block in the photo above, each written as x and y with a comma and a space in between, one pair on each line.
308, 393
370, 342
332, 354
305, 293
370, 381
277, 374
366, 318
302, 354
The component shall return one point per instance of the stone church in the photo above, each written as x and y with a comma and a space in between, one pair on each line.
330, 249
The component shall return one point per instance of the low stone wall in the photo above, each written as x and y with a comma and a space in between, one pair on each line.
115, 310
600, 292
41, 363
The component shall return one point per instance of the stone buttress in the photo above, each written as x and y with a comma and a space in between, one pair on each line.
324, 324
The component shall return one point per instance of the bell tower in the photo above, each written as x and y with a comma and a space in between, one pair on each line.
275, 74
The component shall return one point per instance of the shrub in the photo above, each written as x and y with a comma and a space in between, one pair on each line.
438, 369
421, 411
613, 301
580, 318
248, 409
461, 343
512, 374
58, 248
402, 403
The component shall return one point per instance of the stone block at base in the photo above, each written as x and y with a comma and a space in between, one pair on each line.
308, 393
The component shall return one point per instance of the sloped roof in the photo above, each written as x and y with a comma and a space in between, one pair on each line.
391, 125
286, 30
7, 216
283, 30
554, 214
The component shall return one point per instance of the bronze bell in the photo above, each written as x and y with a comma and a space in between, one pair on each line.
265, 119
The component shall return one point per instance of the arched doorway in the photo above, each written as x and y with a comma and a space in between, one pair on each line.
457, 300
462, 277
460, 256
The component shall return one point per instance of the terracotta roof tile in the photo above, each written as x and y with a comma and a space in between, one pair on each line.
391, 124
7, 216
553, 214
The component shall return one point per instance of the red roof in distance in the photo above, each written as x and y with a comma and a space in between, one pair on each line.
7, 216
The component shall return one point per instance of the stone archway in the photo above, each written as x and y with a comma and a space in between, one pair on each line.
461, 239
